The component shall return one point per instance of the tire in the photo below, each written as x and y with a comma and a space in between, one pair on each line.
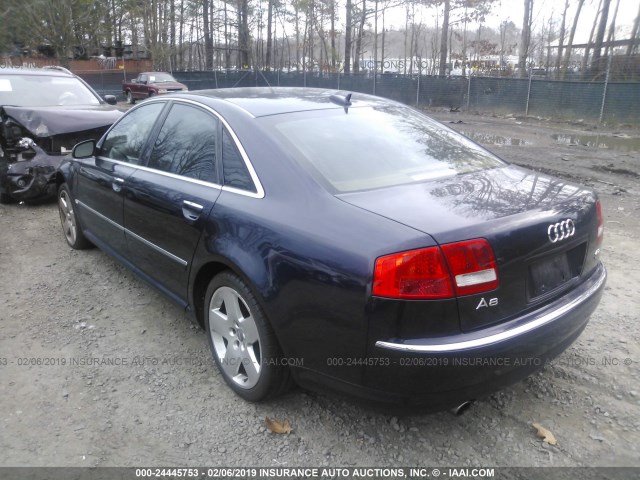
242, 342
130, 99
151, 94
70, 226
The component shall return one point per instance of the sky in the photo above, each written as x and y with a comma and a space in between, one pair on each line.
542, 9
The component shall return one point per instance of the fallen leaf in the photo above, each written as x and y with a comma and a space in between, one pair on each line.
278, 427
545, 434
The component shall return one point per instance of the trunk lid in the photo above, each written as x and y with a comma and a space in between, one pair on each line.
542, 231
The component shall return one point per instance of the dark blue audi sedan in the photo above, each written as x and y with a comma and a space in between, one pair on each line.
340, 241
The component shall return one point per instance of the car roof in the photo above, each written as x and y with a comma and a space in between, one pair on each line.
45, 71
264, 101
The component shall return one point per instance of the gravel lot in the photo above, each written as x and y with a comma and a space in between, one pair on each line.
164, 403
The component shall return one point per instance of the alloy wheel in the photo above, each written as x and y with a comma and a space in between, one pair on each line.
235, 337
67, 217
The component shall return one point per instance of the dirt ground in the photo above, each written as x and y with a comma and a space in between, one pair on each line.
161, 401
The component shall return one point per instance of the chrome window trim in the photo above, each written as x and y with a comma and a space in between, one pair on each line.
259, 193
537, 322
126, 231
163, 173
239, 191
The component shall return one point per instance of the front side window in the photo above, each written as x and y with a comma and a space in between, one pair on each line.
127, 138
186, 144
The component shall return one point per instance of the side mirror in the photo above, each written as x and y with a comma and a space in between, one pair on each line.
84, 149
110, 99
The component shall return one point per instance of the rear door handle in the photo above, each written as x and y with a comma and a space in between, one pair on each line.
192, 205
117, 184
191, 210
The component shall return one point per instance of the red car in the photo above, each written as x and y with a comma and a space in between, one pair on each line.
149, 84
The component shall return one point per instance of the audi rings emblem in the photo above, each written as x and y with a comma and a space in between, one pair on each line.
561, 230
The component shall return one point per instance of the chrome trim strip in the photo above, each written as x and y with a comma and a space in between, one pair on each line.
98, 214
166, 174
226, 188
499, 337
182, 262
173, 257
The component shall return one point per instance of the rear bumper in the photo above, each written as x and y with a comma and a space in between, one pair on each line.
511, 331
440, 373
446, 371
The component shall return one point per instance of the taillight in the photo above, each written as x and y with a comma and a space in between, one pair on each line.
600, 217
472, 265
416, 274
463, 268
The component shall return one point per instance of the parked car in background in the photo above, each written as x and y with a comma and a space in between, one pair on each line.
347, 240
43, 114
148, 84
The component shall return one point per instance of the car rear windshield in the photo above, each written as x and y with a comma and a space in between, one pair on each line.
374, 147
44, 91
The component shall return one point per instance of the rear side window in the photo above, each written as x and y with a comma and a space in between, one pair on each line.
186, 144
236, 174
127, 138
367, 148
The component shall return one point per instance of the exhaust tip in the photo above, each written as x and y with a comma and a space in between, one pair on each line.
460, 409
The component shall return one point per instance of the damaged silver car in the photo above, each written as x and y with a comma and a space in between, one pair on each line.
43, 114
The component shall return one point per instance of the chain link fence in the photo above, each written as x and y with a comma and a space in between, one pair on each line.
105, 82
589, 101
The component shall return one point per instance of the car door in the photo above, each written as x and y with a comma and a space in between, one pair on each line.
141, 87
169, 200
101, 179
